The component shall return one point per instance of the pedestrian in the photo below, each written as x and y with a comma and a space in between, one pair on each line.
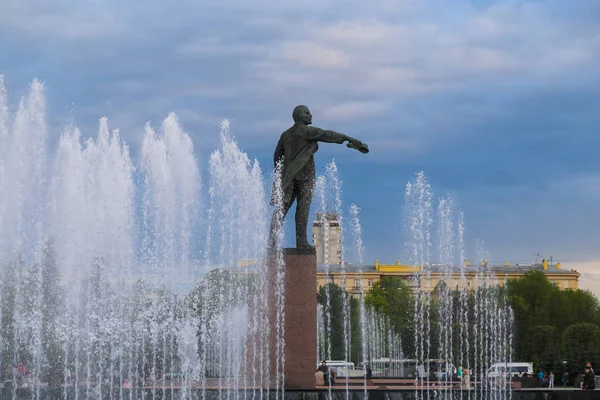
328, 375
551, 380
589, 379
466, 379
369, 372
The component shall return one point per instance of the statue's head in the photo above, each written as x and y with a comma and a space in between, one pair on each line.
302, 114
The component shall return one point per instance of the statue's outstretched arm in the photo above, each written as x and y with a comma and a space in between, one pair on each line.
322, 135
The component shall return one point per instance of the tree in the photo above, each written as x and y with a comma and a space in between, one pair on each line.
539, 305
581, 343
213, 302
573, 306
394, 298
543, 346
530, 297
356, 343
331, 297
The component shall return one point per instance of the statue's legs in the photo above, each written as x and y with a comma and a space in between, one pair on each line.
278, 218
304, 194
302, 191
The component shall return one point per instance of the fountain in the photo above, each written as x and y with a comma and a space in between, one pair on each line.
452, 325
105, 292
118, 282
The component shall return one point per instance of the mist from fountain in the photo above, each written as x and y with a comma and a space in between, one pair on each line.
355, 252
105, 291
490, 324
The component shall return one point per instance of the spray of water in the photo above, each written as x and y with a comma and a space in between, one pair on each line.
102, 290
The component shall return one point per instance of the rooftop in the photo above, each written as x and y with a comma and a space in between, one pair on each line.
518, 268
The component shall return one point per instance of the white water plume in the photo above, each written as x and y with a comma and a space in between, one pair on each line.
97, 253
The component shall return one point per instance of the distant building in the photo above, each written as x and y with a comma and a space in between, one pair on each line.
327, 238
355, 278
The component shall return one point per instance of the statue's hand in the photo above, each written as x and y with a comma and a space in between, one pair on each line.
358, 145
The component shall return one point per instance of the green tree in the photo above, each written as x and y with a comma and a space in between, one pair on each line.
543, 346
391, 296
219, 291
530, 297
356, 343
539, 306
333, 318
581, 343
573, 306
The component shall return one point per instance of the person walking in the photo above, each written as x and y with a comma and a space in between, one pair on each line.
589, 379
466, 379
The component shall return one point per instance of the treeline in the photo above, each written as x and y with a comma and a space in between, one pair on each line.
555, 329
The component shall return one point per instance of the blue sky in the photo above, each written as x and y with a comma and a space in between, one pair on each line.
497, 101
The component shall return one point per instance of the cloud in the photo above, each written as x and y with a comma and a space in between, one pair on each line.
584, 184
430, 52
353, 110
64, 19
496, 100
383, 53
590, 275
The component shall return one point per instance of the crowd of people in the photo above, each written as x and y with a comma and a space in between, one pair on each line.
325, 376
586, 381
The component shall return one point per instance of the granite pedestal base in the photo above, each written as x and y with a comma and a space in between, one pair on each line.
300, 324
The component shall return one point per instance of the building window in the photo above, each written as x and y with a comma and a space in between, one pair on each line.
343, 284
357, 283
469, 284
370, 282
566, 284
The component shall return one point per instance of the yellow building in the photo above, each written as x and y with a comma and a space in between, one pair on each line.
357, 279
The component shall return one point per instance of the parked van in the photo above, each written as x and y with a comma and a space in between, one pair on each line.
343, 368
337, 364
394, 368
512, 368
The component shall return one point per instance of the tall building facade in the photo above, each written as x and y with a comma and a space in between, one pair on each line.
327, 238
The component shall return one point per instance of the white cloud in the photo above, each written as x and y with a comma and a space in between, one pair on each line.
359, 53
215, 46
578, 185
353, 110
63, 19
356, 61
590, 275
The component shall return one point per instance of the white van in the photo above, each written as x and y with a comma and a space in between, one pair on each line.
512, 368
343, 368
337, 364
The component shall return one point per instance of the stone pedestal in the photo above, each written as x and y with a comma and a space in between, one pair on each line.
300, 291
